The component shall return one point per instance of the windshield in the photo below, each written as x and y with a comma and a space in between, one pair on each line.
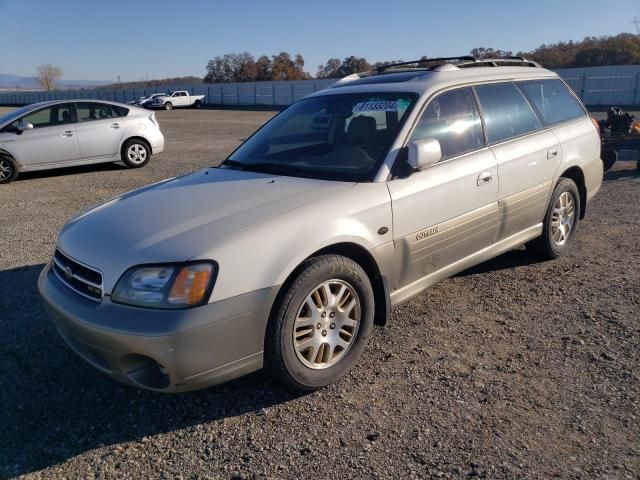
332, 137
7, 117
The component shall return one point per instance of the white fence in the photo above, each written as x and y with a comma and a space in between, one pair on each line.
612, 85
250, 93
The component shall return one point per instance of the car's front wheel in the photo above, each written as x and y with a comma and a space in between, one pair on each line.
322, 323
135, 153
560, 222
8, 170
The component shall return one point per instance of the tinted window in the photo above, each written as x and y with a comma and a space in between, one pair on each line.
335, 137
507, 113
47, 117
552, 100
453, 119
120, 111
88, 112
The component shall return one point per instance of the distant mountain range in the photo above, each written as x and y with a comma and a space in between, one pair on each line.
9, 81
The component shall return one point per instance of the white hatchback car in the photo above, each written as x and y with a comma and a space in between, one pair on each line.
65, 133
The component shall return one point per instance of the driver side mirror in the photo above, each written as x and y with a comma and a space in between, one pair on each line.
424, 153
22, 126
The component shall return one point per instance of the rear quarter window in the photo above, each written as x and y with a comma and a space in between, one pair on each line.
507, 114
120, 111
552, 100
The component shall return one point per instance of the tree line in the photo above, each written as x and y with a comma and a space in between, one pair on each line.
622, 49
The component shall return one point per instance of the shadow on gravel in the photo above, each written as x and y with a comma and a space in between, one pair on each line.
57, 172
53, 406
613, 175
511, 259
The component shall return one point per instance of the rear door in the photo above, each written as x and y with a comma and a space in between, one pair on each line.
450, 210
99, 130
52, 140
526, 154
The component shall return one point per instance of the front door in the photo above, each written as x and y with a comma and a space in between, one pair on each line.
51, 141
449, 210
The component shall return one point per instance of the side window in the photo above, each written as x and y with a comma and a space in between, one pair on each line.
507, 113
88, 112
452, 118
552, 100
48, 117
120, 111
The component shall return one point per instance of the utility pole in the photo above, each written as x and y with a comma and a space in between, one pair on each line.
636, 22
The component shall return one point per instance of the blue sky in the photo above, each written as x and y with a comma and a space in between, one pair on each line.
99, 40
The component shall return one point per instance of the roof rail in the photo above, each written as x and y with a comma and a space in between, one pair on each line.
441, 60
500, 62
461, 61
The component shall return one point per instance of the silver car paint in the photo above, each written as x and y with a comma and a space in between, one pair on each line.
259, 228
79, 143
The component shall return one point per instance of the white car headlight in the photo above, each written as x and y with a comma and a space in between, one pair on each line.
166, 286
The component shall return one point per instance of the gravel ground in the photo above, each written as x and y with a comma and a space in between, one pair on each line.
514, 369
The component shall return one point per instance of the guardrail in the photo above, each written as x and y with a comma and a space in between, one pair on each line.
610, 85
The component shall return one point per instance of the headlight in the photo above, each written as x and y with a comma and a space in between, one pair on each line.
166, 286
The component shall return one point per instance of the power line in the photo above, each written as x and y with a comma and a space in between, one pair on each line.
636, 22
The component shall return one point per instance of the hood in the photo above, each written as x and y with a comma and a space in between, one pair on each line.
175, 220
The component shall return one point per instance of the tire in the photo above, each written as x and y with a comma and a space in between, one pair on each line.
338, 334
559, 227
168, 106
8, 170
609, 158
198, 104
135, 153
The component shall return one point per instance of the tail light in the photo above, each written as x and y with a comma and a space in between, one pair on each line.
152, 117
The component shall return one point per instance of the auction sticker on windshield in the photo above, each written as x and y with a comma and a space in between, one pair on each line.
379, 106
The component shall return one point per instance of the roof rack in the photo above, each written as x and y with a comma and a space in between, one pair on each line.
460, 62
440, 60
500, 62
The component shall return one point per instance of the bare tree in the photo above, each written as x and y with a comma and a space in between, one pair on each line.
47, 76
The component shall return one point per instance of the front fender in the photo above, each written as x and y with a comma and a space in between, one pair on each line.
264, 255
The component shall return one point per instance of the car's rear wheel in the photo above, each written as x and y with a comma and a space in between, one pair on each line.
168, 106
136, 153
198, 104
321, 325
8, 170
560, 222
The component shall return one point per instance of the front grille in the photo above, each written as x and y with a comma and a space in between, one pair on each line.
78, 277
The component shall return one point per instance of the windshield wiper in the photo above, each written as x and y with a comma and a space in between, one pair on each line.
234, 164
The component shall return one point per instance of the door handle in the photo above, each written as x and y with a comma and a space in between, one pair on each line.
67, 133
552, 153
115, 125
484, 178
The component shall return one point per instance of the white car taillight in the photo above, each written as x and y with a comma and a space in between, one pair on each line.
152, 117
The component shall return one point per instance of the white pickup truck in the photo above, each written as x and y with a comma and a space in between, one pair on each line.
180, 98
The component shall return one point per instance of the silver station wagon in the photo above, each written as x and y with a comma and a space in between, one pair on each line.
341, 207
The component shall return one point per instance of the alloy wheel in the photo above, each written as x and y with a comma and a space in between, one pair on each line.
137, 153
6, 169
327, 324
562, 218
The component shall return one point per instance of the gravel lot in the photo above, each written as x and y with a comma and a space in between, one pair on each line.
514, 369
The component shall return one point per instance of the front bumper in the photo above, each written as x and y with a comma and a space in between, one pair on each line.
164, 350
